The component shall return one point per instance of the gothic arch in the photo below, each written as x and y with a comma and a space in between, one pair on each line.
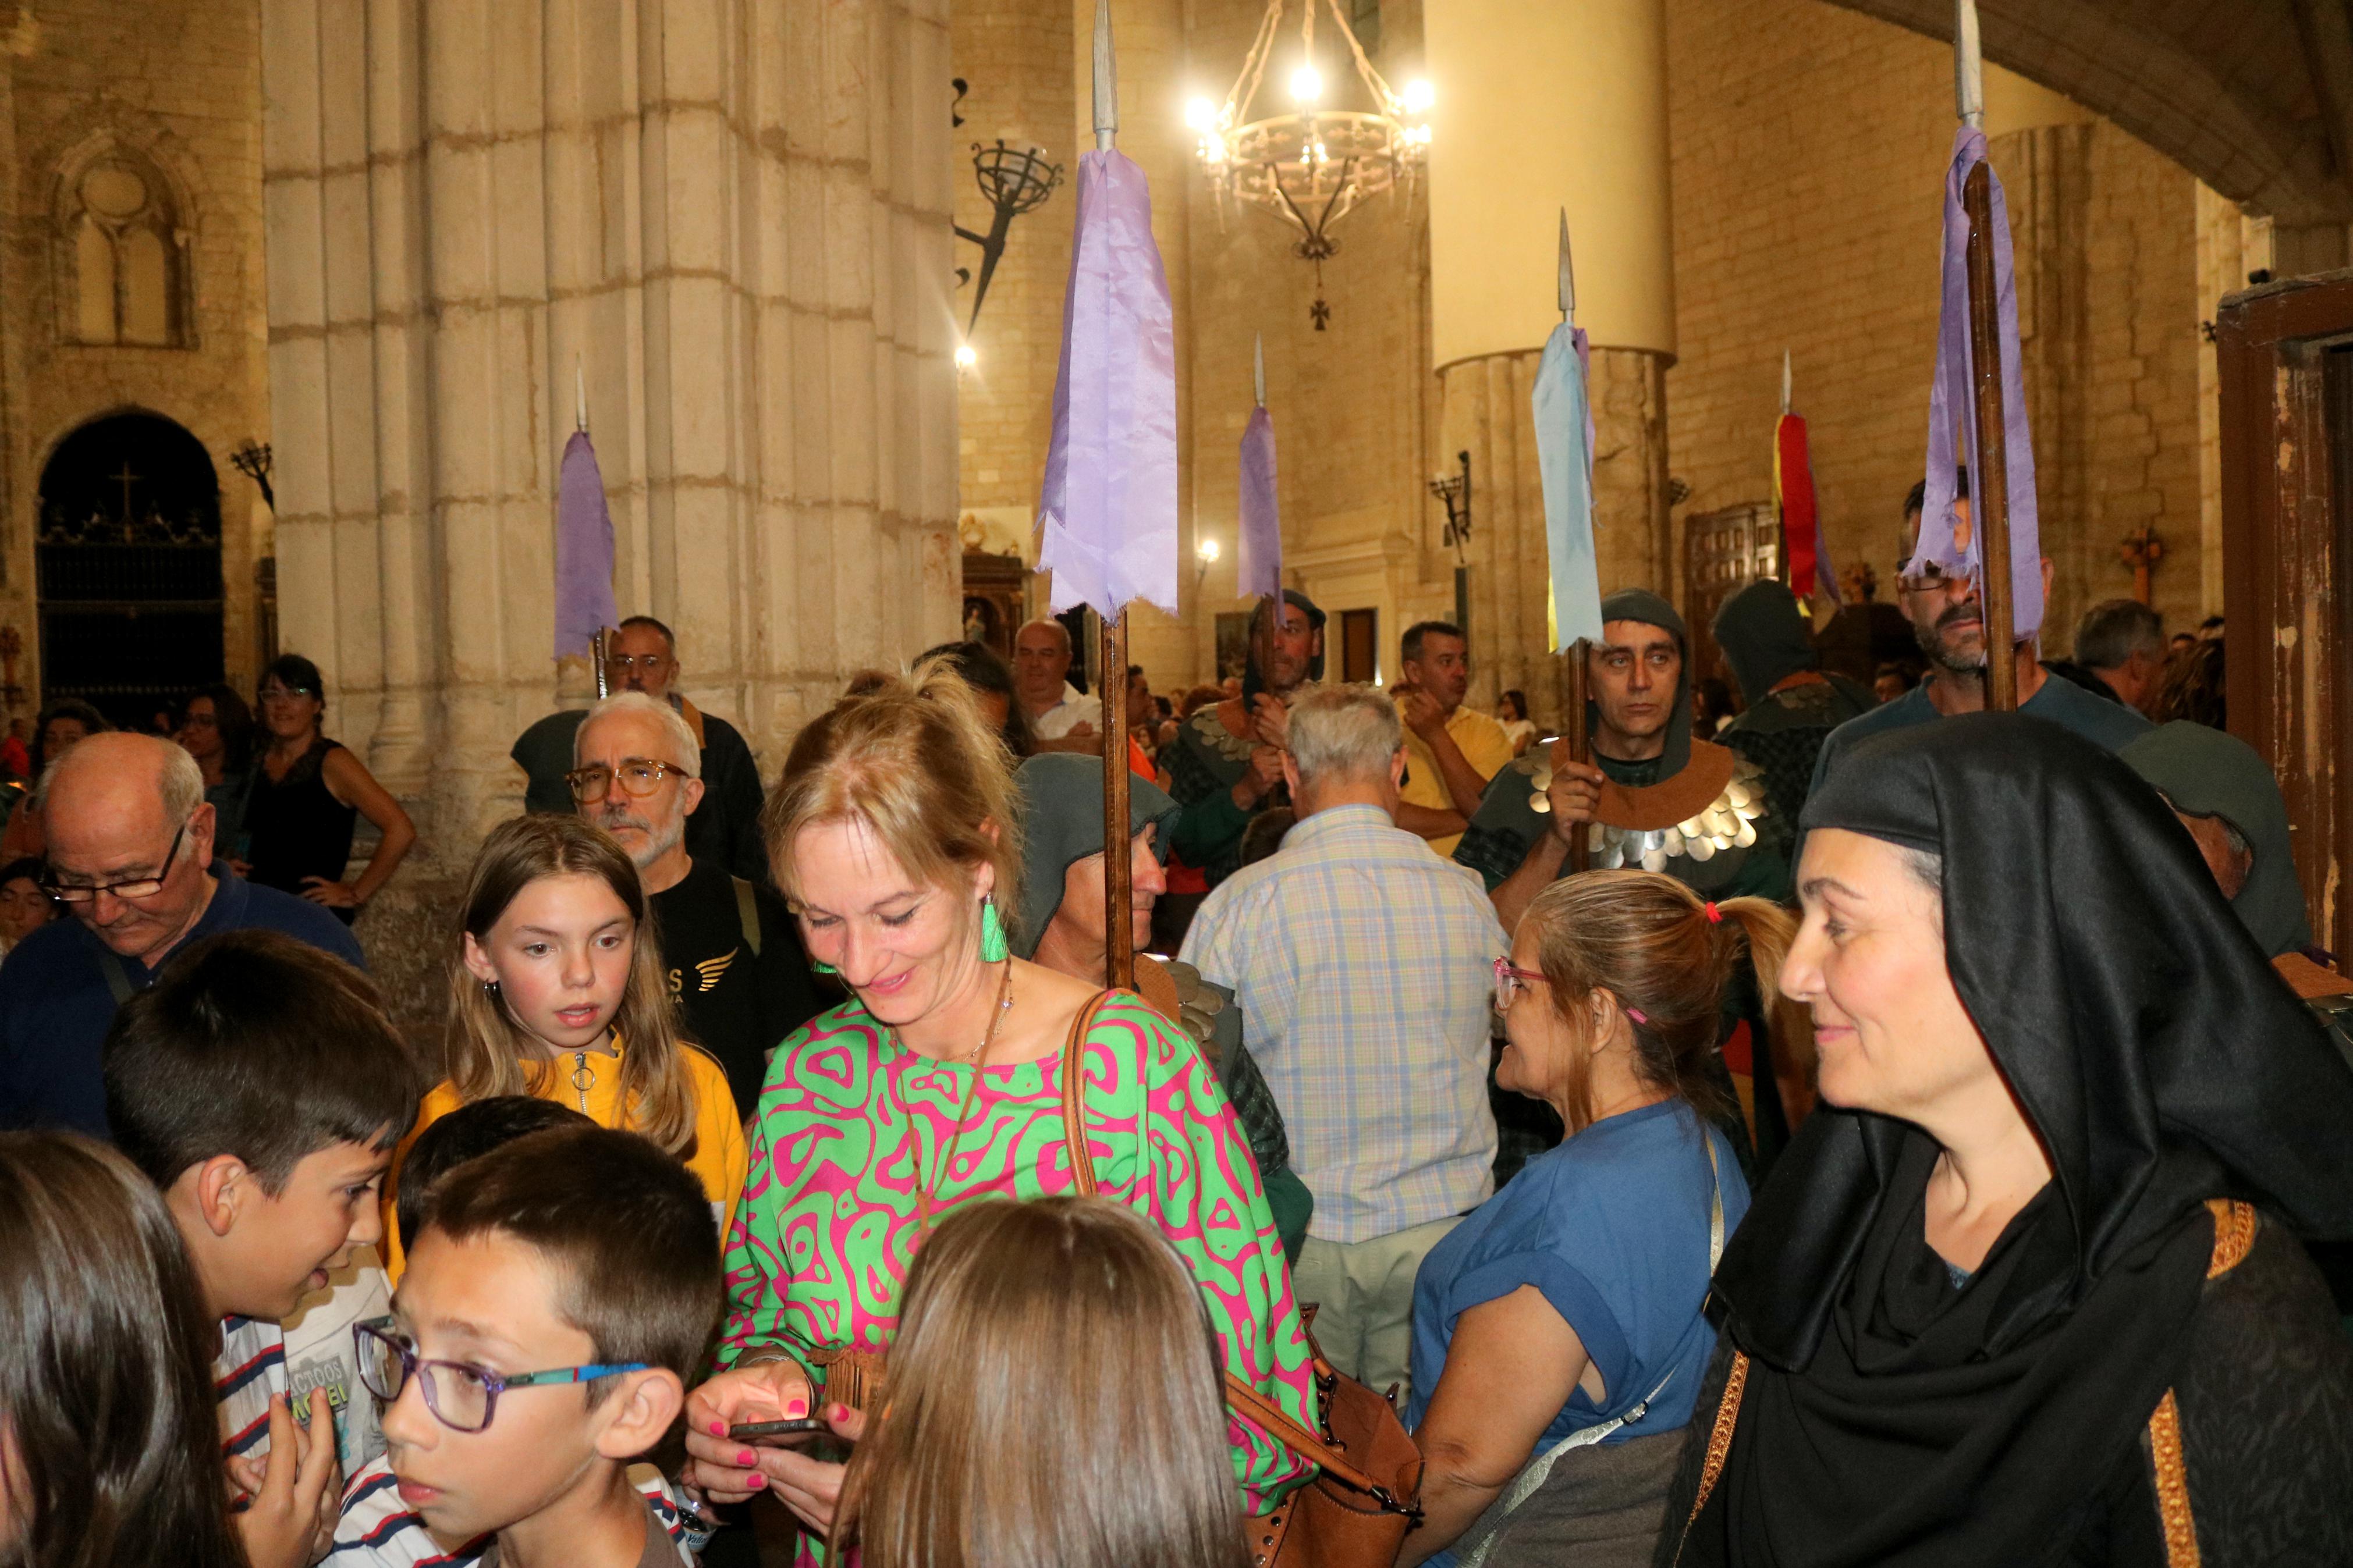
121, 249
2226, 91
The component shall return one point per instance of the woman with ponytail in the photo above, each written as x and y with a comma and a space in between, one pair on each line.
1557, 1338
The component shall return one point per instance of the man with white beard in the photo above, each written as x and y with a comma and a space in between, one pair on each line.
729, 947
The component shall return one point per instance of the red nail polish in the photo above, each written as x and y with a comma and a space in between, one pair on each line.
796, 1408
719, 1428
748, 1459
837, 1413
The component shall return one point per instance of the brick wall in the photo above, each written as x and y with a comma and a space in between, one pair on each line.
1809, 148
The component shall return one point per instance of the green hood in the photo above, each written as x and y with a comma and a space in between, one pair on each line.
1060, 796
1764, 639
2206, 772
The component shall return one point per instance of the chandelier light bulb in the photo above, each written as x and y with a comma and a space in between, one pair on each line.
1306, 84
1418, 96
966, 356
1200, 114
1207, 550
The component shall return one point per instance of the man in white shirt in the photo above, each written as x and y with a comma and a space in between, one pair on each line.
1058, 713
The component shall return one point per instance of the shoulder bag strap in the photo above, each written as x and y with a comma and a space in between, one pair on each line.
1533, 1474
1240, 1396
118, 978
748, 913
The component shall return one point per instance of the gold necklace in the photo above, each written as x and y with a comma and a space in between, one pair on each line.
979, 1056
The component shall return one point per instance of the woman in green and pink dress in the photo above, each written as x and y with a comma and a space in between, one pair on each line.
938, 1084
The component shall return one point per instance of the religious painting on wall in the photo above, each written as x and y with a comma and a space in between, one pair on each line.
1233, 644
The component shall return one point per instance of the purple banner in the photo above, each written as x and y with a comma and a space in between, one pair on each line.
1952, 422
584, 550
1107, 519
1257, 552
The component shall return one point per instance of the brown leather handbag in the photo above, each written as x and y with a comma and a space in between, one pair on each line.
1355, 1512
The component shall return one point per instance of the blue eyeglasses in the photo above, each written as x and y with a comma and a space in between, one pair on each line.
461, 1395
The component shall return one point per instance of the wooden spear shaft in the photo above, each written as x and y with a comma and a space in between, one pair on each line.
1989, 485
1581, 744
1119, 896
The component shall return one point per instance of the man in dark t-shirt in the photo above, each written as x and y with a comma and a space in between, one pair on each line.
729, 948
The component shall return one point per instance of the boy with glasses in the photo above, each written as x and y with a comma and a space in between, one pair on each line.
561, 1289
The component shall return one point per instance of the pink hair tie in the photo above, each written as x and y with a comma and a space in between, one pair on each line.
1636, 1014
1715, 915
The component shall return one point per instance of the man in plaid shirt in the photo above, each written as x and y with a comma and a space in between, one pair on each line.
1362, 962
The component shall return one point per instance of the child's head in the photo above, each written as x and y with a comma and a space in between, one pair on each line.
1057, 1396
109, 1454
260, 1085
467, 1133
569, 1248
25, 905
549, 960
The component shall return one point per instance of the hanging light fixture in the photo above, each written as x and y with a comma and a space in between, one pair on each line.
1314, 165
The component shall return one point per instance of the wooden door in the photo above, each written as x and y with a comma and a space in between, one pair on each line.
2284, 352
1360, 645
1723, 551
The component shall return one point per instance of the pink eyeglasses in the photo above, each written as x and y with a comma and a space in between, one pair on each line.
1510, 980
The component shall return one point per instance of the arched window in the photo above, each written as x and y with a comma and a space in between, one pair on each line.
123, 262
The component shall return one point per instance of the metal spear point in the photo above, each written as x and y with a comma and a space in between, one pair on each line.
1106, 81
1567, 272
1968, 65
1785, 382
1258, 367
579, 397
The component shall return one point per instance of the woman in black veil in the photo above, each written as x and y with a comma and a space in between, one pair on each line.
2028, 1289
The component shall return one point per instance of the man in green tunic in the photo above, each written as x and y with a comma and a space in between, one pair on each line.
1226, 766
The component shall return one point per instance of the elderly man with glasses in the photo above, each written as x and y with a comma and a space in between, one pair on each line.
1949, 623
642, 657
130, 857
730, 949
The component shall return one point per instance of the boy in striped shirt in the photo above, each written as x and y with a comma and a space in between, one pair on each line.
260, 1085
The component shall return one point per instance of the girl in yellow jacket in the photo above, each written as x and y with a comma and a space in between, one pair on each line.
557, 991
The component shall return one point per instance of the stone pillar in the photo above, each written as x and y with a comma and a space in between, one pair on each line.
733, 216
1512, 145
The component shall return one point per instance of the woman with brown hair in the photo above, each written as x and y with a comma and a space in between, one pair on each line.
556, 990
1564, 1313
1057, 1396
894, 835
110, 1455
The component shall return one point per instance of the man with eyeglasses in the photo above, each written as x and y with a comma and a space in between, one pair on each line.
642, 657
1949, 623
729, 948
130, 857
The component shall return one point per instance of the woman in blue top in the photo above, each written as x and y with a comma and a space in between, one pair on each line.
1564, 1314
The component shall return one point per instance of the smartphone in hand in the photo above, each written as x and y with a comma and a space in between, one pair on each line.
777, 1433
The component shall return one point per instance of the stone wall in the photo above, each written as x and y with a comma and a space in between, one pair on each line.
177, 84
1810, 144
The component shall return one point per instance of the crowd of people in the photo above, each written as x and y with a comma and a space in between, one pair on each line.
1821, 1124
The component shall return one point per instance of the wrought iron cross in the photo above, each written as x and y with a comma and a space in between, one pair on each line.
126, 479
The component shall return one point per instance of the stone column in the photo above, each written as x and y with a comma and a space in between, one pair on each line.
733, 216
1541, 107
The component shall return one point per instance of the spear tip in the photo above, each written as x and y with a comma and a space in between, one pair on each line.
1785, 381
1106, 81
1258, 367
579, 396
1567, 271
1968, 65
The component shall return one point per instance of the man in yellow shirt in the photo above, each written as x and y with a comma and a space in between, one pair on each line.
1451, 751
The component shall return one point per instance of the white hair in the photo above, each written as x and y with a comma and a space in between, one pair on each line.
1061, 633
682, 735
180, 782
1344, 732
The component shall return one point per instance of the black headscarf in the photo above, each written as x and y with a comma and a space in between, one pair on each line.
2209, 773
1890, 1418
1763, 637
1061, 798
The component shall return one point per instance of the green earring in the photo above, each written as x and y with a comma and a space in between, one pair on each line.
822, 968
993, 949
